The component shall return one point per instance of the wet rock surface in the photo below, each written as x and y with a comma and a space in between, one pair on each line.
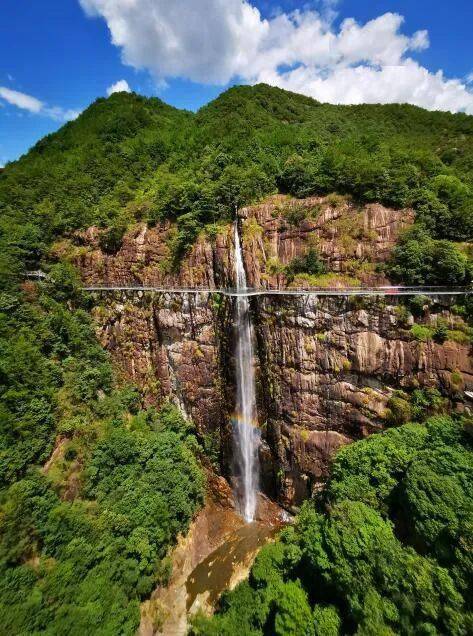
215, 555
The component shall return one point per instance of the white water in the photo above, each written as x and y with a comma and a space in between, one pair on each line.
246, 435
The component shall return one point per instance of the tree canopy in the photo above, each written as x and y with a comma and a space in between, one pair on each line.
385, 550
129, 158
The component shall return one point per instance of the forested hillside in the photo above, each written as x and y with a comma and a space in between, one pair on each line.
94, 488
130, 158
386, 550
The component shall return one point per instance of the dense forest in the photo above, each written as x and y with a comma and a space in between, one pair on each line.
129, 158
385, 550
84, 536
94, 488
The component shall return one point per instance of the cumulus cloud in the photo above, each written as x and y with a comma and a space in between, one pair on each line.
121, 86
36, 106
216, 41
60, 114
204, 40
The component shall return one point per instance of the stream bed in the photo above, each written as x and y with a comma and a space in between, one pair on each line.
227, 565
215, 555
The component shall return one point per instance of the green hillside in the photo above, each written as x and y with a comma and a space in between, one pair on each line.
386, 550
130, 158
95, 488
84, 536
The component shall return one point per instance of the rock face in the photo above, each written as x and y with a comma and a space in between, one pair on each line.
350, 240
167, 344
326, 366
331, 366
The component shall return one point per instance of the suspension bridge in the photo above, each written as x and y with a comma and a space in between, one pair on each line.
388, 290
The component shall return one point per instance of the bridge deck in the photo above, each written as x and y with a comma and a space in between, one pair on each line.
313, 291
388, 290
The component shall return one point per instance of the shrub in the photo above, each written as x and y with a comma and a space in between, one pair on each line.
399, 409
417, 259
335, 200
421, 332
426, 402
111, 239
418, 305
326, 621
440, 333
461, 337
295, 214
309, 264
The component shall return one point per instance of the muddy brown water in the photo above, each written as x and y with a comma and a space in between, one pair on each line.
215, 555
214, 574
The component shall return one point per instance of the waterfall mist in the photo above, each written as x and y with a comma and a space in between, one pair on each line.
246, 435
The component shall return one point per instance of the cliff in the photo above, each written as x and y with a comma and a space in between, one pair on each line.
351, 240
327, 367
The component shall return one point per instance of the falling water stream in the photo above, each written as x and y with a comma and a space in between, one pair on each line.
246, 435
220, 547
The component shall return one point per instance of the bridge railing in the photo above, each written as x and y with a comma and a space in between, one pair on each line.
387, 290
383, 290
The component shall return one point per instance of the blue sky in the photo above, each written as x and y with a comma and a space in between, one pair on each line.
57, 55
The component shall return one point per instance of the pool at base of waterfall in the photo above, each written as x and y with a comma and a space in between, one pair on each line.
215, 555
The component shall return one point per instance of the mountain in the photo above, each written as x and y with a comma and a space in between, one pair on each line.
100, 473
129, 157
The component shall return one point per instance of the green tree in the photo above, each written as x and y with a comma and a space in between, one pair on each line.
326, 620
419, 260
293, 613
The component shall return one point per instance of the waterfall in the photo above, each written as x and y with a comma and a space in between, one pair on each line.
246, 435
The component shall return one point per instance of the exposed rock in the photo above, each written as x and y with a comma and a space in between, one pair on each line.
326, 366
167, 344
215, 555
350, 240
329, 371
326, 369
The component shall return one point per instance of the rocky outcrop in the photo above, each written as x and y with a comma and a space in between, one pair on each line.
326, 370
331, 366
168, 345
145, 258
326, 366
350, 240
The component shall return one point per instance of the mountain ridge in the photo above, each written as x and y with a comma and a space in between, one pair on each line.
129, 158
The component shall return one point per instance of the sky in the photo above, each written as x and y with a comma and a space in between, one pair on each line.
58, 56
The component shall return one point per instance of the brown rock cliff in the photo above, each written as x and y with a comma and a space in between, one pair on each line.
326, 366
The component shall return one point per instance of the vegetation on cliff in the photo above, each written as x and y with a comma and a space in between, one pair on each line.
386, 549
130, 158
93, 490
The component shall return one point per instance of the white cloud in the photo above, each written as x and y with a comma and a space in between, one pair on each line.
204, 40
405, 83
118, 87
61, 114
216, 41
21, 100
36, 106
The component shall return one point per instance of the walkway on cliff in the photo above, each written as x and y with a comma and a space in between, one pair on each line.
309, 291
388, 290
